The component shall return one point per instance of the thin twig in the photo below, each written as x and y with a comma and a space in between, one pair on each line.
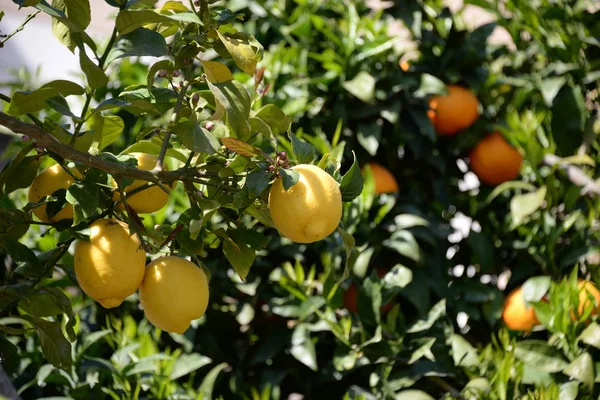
166, 140
51, 144
20, 28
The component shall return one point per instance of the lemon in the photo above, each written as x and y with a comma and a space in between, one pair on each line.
47, 182
148, 200
110, 266
174, 292
311, 209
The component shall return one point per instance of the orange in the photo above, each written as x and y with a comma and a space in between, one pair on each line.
404, 65
516, 314
494, 160
453, 112
587, 291
384, 180
351, 296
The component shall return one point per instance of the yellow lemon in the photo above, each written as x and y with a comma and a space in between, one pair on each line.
311, 209
47, 182
174, 292
110, 266
148, 200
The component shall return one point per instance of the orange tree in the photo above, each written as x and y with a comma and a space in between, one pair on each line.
423, 313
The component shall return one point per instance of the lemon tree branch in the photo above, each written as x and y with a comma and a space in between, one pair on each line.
48, 142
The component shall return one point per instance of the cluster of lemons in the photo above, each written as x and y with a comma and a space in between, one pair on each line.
112, 264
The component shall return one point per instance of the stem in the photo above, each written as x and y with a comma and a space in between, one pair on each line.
89, 95
174, 118
52, 262
20, 28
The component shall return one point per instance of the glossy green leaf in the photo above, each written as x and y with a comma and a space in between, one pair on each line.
107, 130
540, 355
523, 205
141, 42
235, 99
29, 102
96, 77
362, 86
303, 349
188, 363
55, 346
193, 136
304, 153
582, 369
352, 182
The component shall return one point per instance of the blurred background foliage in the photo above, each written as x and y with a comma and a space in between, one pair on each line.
358, 79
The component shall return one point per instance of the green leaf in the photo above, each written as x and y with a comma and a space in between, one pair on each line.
257, 182
96, 77
568, 120
362, 86
352, 182
464, 354
9, 354
303, 349
206, 388
239, 247
193, 136
29, 102
369, 137
85, 198
398, 277
234, 97
412, 395
540, 355
535, 288
435, 313
142, 42
13, 224
289, 177
47, 302
135, 106
506, 186
275, 118
20, 253
591, 335
568, 391
188, 363
245, 50
550, 88
303, 152
60, 105
351, 254
107, 130
523, 205
430, 85
582, 369
24, 172
129, 20
55, 346
77, 11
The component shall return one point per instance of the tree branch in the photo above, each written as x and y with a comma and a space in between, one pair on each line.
47, 141
574, 174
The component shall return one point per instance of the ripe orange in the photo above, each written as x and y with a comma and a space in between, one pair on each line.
351, 296
494, 160
453, 112
587, 291
404, 65
516, 314
384, 180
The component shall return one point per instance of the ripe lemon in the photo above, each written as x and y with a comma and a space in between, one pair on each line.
148, 200
385, 182
516, 314
494, 160
588, 294
47, 182
453, 112
110, 266
311, 209
174, 292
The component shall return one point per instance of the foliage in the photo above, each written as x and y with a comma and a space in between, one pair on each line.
280, 327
